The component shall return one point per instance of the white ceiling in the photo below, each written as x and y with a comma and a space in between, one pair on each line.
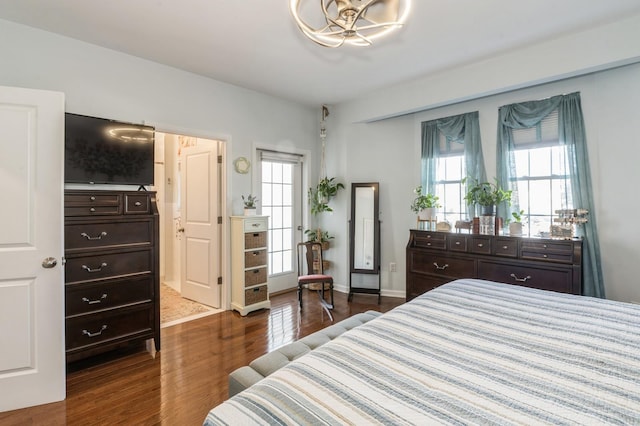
255, 43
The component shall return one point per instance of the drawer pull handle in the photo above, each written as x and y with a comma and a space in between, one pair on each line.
93, 302
545, 256
429, 244
99, 237
458, 243
521, 280
92, 209
97, 333
255, 253
480, 245
505, 247
442, 268
138, 203
92, 198
255, 225
88, 269
256, 271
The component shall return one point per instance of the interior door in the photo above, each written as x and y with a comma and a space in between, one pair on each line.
201, 249
32, 363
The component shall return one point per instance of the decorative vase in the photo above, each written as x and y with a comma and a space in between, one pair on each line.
249, 212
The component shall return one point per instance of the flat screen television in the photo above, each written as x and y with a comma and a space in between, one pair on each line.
103, 151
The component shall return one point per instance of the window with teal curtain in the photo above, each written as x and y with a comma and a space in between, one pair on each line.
569, 171
451, 150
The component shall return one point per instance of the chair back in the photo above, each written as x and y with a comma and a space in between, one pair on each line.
310, 258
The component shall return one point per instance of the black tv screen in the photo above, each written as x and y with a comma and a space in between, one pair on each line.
102, 151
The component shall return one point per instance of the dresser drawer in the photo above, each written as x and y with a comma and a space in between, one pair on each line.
257, 224
89, 297
558, 279
507, 247
428, 263
105, 234
480, 245
255, 276
420, 284
137, 204
91, 199
107, 265
255, 258
457, 242
92, 211
85, 331
434, 240
255, 295
255, 240
553, 251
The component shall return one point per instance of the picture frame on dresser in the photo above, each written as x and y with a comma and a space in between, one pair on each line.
112, 294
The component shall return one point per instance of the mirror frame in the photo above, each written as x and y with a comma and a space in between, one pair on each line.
376, 228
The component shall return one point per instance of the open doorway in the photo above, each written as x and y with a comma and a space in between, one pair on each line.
190, 202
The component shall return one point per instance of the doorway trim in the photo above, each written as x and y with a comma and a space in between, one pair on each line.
224, 149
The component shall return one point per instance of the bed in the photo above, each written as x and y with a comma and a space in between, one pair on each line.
468, 352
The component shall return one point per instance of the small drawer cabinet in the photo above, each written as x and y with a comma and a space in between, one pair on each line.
249, 270
435, 258
111, 271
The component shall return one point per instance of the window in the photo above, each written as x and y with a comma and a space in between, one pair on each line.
280, 199
541, 183
450, 170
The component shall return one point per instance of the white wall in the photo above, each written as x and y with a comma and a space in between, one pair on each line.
104, 83
388, 151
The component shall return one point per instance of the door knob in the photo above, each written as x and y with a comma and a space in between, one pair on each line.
49, 262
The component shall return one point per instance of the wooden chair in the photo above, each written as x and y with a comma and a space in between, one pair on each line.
311, 274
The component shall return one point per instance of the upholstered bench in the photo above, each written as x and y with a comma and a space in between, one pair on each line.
261, 367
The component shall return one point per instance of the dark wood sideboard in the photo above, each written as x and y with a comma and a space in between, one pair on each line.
435, 258
111, 271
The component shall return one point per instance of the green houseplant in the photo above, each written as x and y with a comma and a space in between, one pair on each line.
515, 227
320, 196
319, 236
423, 201
249, 204
487, 195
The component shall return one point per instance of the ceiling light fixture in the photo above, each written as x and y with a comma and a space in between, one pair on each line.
354, 22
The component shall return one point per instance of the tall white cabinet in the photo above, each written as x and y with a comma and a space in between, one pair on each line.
249, 271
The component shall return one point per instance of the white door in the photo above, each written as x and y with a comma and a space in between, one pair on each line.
32, 363
281, 200
200, 250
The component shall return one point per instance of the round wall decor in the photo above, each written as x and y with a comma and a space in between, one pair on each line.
242, 165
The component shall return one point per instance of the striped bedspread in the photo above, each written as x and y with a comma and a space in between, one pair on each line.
468, 352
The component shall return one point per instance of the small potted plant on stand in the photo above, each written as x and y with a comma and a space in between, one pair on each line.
318, 236
249, 205
487, 196
425, 206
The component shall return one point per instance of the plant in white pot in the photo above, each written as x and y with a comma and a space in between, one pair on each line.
249, 205
425, 205
515, 227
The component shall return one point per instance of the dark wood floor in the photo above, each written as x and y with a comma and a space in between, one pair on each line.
188, 377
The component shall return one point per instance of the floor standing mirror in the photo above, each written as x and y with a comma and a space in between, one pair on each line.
364, 240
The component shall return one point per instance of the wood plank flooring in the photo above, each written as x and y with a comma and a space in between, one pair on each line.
188, 377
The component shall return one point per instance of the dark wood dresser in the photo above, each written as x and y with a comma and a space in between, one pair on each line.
112, 271
435, 258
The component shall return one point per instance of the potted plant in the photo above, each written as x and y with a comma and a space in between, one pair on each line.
320, 196
317, 235
487, 195
249, 205
515, 227
424, 205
